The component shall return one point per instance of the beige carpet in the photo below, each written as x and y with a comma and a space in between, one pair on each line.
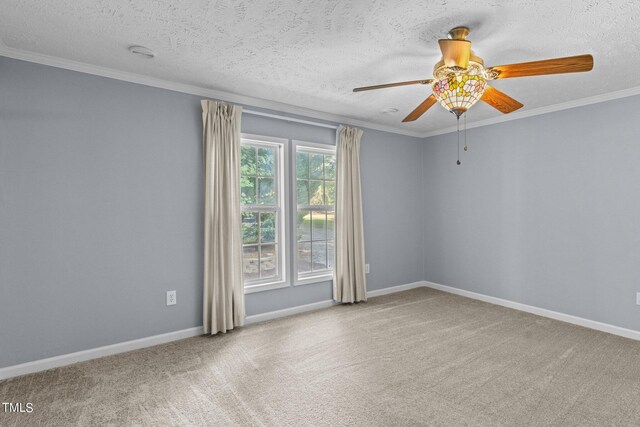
419, 357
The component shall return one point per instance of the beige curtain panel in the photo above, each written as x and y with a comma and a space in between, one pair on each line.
223, 287
349, 279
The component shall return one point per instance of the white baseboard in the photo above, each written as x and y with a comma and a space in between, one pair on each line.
392, 289
580, 321
324, 304
108, 350
94, 353
256, 318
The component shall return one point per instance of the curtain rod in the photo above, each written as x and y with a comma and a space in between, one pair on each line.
289, 119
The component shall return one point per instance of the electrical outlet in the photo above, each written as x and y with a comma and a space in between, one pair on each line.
638, 298
171, 298
366, 268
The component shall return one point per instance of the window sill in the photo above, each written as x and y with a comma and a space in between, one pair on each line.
265, 287
251, 289
314, 279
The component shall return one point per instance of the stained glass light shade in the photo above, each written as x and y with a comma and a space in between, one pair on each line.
458, 93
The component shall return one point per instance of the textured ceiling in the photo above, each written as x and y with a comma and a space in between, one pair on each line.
312, 53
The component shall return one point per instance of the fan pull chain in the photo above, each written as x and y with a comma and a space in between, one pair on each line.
465, 133
458, 133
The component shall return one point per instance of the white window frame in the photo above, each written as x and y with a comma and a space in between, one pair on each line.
283, 186
306, 278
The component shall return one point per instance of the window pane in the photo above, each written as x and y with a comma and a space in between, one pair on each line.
266, 191
315, 186
267, 161
330, 255
330, 192
304, 226
249, 227
247, 160
319, 228
330, 225
268, 261
303, 192
247, 190
250, 265
316, 193
260, 185
329, 166
302, 165
267, 227
319, 254
304, 257
315, 166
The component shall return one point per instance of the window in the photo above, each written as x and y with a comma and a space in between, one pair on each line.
279, 241
315, 172
261, 200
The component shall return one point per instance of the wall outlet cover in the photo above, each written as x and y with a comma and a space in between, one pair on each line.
366, 268
638, 298
171, 298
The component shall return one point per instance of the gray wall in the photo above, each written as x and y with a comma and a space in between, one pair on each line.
544, 211
101, 211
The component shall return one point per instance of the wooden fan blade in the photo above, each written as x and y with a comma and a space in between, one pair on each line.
420, 109
455, 53
570, 64
411, 82
500, 100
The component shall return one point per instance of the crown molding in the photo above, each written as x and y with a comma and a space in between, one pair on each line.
249, 101
246, 101
610, 96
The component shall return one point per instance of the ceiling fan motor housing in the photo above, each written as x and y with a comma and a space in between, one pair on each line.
457, 56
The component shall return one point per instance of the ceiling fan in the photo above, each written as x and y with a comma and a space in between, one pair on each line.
460, 77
